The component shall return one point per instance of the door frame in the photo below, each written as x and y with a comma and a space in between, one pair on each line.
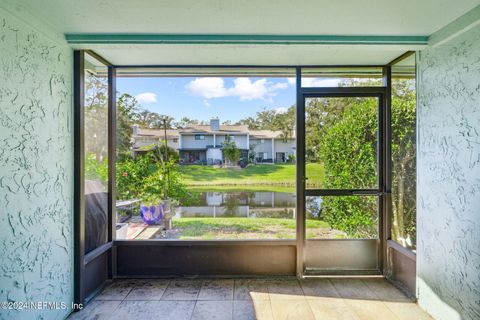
383, 190
91, 270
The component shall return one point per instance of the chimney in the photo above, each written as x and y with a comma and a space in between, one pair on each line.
135, 129
215, 124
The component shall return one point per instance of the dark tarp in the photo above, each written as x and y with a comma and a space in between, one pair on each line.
96, 210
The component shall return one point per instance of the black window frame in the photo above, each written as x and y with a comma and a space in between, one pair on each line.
199, 137
119, 252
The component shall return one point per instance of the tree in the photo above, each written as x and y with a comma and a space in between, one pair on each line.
265, 118
320, 113
129, 105
404, 162
346, 133
146, 178
161, 152
285, 122
231, 205
250, 122
230, 151
96, 116
252, 154
270, 119
127, 108
129, 113
186, 122
152, 120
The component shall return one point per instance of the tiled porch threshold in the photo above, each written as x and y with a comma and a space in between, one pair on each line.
268, 298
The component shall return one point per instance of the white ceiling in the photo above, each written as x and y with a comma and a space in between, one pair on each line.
249, 17
312, 17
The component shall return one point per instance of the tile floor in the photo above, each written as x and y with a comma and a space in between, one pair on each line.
271, 298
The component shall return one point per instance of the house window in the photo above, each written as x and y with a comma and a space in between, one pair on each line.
199, 137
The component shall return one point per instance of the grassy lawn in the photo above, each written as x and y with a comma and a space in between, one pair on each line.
278, 175
243, 228
261, 177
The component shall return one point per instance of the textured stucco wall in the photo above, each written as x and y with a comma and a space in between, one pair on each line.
448, 259
36, 168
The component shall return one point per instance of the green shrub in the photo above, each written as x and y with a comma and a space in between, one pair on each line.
230, 151
95, 170
349, 150
151, 180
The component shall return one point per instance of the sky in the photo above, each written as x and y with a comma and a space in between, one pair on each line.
207, 97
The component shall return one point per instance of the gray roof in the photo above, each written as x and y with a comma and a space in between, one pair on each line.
206, 129
160, 133
265, 134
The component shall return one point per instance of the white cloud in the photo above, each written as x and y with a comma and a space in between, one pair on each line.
243, 88
146, 98
206, 103
207, 87
280, 86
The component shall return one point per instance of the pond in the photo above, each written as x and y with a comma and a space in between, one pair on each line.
246, 204
230, 215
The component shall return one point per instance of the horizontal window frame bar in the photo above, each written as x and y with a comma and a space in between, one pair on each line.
95, 253
323, 92
328, 273
242, 66
341, 239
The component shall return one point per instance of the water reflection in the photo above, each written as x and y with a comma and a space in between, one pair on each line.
235, 206
257, 204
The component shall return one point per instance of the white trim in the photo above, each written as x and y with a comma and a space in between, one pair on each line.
273, 150
429, 301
